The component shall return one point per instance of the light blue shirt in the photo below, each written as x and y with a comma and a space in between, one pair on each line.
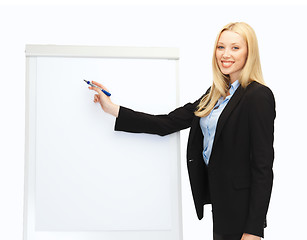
208, 123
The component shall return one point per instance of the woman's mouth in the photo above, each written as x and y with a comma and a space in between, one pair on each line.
227, 64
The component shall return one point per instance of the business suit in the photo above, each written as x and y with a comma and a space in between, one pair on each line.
238, 180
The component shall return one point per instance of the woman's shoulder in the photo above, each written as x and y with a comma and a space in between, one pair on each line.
255, 89
257, 92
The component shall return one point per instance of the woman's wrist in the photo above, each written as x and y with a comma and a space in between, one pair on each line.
113, 109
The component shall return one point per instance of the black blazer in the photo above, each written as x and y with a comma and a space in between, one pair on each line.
238, 180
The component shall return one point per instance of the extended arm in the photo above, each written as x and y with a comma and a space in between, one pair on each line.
139, 122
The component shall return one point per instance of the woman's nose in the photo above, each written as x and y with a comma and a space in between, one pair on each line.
226, 53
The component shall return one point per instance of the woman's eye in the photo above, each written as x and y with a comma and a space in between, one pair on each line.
220, 47
236, 48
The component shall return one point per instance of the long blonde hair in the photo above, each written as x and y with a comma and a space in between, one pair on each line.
250, 72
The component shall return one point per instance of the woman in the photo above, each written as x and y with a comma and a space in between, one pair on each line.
230, 148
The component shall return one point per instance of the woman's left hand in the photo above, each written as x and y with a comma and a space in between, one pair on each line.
247, 236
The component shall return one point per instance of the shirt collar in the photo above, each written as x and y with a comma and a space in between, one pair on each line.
233, 87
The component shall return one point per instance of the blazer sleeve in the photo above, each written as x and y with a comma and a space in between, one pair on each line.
261, 124
132, 121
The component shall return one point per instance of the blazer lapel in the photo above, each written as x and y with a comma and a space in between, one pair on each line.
227, 111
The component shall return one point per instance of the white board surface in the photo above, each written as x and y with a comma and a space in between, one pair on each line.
83, 179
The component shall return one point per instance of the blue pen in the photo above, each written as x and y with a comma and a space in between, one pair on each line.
93, 85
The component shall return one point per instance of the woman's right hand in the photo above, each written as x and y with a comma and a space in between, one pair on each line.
105, 102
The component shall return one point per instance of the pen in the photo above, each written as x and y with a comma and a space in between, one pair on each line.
93, 85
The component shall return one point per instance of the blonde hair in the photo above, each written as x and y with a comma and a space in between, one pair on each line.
250, 72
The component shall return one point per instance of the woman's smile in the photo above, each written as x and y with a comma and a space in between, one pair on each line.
227, 64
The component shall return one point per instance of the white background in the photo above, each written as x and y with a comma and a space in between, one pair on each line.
282, 40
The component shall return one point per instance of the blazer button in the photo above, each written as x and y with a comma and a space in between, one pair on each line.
191, 160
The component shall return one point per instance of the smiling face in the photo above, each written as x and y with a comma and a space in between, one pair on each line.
231, 54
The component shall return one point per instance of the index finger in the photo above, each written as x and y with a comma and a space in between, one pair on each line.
100, 85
